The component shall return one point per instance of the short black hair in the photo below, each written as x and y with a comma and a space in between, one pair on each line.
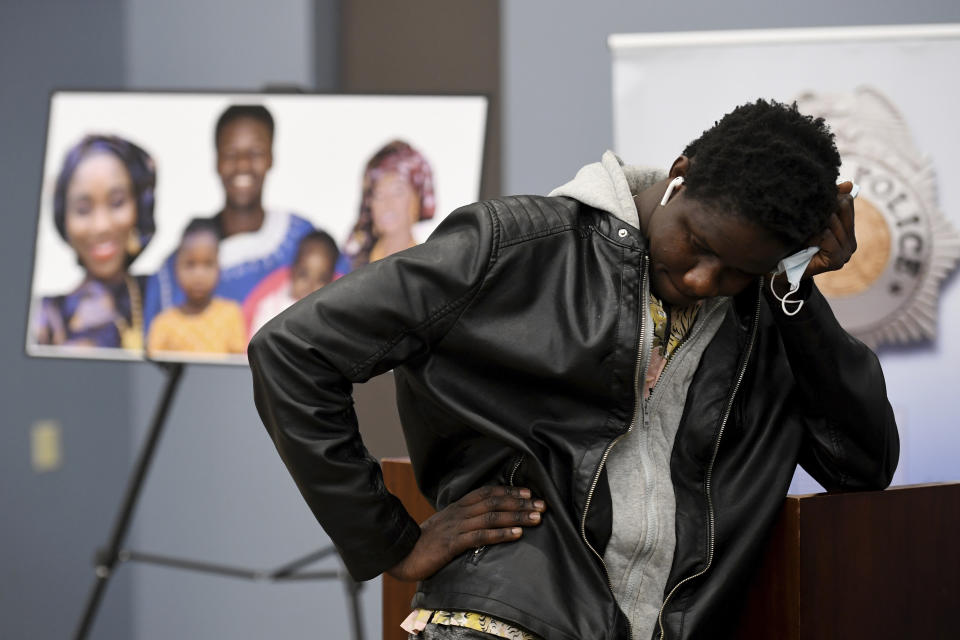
321, 238
235, 112
201, 225
770, 164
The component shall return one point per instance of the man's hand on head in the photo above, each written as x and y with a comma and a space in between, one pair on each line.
837, 242
485, 516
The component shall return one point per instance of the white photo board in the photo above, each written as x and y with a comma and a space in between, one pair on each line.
321, 146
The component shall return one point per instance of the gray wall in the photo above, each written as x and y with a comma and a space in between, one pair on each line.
220, 44
51, 522
557, 105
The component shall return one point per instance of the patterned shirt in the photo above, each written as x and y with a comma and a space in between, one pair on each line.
420, 618
669, 332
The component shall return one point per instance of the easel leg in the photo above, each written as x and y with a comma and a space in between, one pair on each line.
106, 559
353, 589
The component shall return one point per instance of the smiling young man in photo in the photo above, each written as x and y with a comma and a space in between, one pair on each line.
255, 241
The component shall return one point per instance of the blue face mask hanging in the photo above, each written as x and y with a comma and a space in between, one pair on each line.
794, 267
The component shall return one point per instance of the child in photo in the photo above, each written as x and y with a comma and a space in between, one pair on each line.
314, 264
202, 323
313, 267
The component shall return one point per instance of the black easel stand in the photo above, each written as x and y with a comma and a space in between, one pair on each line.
106, 559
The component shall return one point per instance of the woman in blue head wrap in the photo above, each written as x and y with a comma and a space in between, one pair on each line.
102, 208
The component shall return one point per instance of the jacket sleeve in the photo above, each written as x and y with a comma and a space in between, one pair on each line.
851, 440
305, 360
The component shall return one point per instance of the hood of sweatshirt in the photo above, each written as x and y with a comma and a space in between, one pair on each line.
609, 185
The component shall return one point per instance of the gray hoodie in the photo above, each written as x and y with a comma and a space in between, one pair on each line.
640, 551
609, 185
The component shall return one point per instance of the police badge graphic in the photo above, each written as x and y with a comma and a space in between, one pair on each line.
888, 291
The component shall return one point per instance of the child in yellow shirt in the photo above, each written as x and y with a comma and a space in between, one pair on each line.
203, 323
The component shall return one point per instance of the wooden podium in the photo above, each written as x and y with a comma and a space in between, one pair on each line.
851, 566
876, 564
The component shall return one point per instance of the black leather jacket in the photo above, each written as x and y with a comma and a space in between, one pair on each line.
514, 334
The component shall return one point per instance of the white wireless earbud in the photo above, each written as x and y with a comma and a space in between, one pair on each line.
676, 182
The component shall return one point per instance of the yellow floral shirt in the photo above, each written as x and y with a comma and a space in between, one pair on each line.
420, 618
669, 332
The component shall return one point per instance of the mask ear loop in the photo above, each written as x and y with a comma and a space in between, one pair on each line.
799, 261
786, 298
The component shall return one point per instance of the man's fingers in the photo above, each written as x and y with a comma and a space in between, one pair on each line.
836, 228
493, 491
503, 503
841, 225
499, 498
846, 215
485, 516
477, 495
483, 537
502, 519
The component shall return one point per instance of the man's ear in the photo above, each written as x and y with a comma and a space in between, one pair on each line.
680, 167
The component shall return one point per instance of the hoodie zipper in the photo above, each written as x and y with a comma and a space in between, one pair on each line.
713, 459
636, 413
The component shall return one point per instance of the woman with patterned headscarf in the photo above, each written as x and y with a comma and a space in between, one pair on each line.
102, 208
397, 193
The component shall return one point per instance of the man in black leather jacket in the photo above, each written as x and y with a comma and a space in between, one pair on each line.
570, 366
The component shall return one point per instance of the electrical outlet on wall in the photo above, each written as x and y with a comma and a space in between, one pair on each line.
46, 451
